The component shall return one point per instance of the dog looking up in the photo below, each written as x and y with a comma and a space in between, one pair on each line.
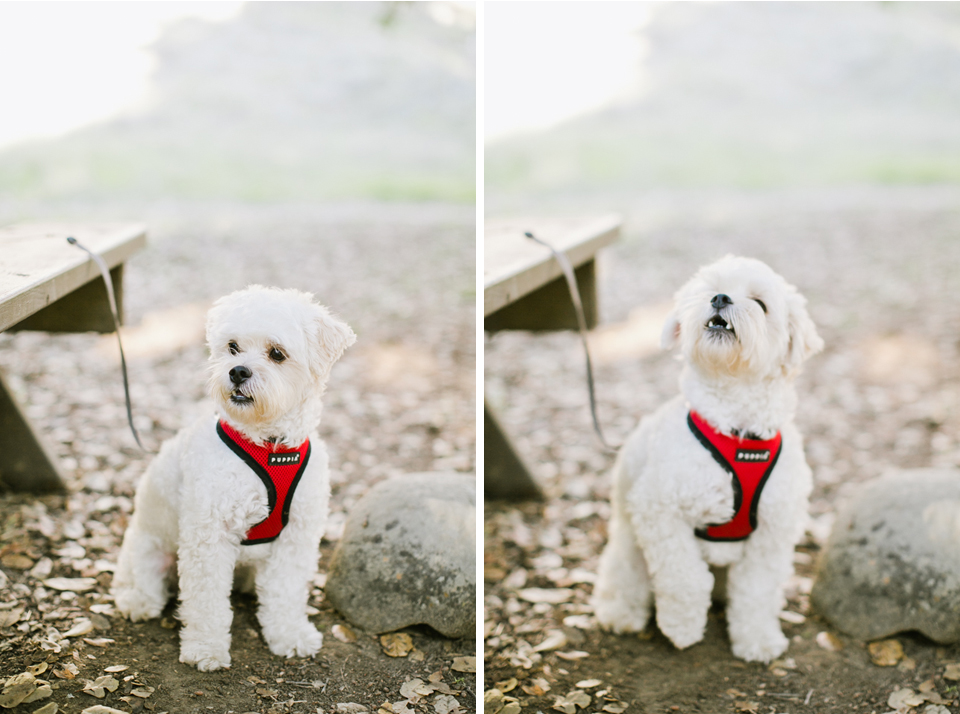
241, 495
717, 475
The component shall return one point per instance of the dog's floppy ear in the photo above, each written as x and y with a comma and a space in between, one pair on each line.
671, 330
333, 337
804, 340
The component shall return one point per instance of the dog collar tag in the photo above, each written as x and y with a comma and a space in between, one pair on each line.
280, 472
749, 462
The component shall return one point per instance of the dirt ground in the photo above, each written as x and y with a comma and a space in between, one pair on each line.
400, 401
879, 269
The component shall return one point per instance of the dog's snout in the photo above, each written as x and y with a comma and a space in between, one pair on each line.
721, 301
240, 374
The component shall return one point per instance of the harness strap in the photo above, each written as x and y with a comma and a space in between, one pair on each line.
750, 463
280, 472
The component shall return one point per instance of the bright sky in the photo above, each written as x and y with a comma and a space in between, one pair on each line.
546, 62
67, 64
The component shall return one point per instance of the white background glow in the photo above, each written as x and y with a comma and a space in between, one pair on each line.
549, 61
67, 64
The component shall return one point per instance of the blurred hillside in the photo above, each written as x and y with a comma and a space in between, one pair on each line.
289, 101
761, 95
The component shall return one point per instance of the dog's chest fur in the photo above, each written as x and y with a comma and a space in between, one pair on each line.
667, 471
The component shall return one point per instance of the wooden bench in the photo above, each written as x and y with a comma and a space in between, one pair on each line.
47, 284
524, 289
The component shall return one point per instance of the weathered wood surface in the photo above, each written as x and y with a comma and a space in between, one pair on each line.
514, 265
38, 267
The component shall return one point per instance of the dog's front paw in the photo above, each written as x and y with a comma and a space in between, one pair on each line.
207, 656
682, 627
305, 641
136, 605
762, 648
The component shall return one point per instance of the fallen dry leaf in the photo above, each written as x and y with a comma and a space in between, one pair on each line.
343, 633
904, 698
82, 626
17, 689
68, 671
493, 701
38, 668
445, 704
11, 617
98, 641
552, 596
101, 686
117, 668
588, 683
464, 664
554, 640
885, 653
507, 685
409, 690
568, 704
100, 709
16, 561
572, 655
751, 707
351, 708
396, 644
48, 708
952, 672
77, 585
143, 692
616, 707
536, 687
829, 642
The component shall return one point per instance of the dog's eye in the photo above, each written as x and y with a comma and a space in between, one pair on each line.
233, 347
760, 303
276, 355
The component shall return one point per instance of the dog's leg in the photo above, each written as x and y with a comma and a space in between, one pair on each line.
621, 597
140, 587
682, 582
755, 597
206, 561
283, 587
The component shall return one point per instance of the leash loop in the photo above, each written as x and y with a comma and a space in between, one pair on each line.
571, 279
105, 272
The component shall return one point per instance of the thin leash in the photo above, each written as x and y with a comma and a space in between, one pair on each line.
582, 324
105, 272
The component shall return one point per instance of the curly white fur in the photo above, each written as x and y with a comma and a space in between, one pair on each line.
197, 499
666, 484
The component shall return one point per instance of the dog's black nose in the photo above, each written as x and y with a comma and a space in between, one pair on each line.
240, 374
721, 301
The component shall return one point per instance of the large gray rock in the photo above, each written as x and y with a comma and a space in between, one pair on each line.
408, 556
892, 562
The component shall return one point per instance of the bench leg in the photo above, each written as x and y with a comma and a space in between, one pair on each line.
26, 464
504, 474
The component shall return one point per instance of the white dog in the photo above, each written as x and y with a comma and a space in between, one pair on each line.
716, 476
243, 493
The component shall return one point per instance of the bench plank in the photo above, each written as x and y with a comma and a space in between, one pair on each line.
514, 266
38, 266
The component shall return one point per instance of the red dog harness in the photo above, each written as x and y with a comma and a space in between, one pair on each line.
280, 472
750, 462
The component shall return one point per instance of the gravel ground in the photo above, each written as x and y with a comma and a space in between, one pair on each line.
401, 400
879, 269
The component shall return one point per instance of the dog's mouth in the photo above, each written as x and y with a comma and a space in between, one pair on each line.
239, 397
717, 325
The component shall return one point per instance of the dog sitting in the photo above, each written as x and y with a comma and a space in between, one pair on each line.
716, 476
243, 494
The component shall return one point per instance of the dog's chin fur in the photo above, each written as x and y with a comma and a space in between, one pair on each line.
741, 355
197, 499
